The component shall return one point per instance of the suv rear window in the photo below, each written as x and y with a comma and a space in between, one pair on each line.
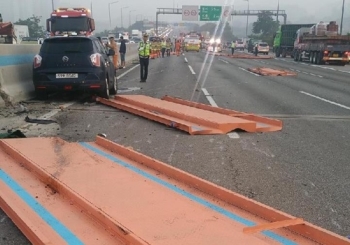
67, 45
263, 44
240, 42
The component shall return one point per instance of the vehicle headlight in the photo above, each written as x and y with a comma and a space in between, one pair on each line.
218, 40
211, 41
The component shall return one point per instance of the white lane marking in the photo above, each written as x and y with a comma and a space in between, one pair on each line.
249, 71
212, 102
233, 135
325, 100
209, 98
123, 74
191, 69
186, 60
224, 61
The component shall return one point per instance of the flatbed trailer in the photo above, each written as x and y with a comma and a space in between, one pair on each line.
322, 49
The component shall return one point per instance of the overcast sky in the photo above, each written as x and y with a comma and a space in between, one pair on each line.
297, 10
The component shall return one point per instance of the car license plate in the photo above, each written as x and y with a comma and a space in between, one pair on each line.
335, 55
66, 75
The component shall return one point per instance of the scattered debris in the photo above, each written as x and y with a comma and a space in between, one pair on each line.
10, 134
39, 121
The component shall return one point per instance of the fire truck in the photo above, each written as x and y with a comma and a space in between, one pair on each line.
70, 21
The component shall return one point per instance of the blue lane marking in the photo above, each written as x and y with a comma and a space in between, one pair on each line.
55, 224
194, 198
19, 59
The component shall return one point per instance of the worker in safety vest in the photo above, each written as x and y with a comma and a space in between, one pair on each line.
168, 47
163, 45
233, 45
177, 47
144, 53
113, 45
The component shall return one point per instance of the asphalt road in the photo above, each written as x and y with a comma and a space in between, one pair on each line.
303, 170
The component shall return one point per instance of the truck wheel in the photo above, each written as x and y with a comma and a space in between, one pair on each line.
278, 54
284, 54
295, 56
319, 58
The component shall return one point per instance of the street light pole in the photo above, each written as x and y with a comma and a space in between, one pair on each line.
121, 15
53, 5
342, 18
130, 17
109, 10
246, 28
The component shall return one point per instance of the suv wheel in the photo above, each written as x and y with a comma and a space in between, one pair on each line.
114, 88
104, 93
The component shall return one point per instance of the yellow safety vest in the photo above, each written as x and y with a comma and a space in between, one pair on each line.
144, 49
163, 44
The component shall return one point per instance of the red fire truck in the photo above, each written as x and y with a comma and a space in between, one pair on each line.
65, 21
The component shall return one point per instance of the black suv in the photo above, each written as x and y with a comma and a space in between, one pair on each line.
74, 63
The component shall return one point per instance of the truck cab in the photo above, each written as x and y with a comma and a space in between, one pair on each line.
70, 21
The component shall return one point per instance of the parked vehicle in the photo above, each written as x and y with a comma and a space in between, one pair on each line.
283, 43
322, 44
263, 47
239, 45
74, 64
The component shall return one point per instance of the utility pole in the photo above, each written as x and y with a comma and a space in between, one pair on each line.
342, 18
246, 28
53, 5
109, 10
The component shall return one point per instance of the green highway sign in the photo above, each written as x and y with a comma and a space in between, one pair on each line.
210, 13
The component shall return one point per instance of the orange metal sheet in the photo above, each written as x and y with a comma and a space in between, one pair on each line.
187, 116
263, 124
104, 193
271, 72
248, 56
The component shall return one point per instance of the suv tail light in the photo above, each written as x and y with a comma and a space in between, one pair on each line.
96, 60
37, 61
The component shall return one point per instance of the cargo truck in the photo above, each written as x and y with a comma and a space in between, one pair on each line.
12, 34
284, 38
70, 21
322, 44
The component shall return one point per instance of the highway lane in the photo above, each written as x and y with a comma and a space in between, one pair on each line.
326, 83
307, 163
302, 170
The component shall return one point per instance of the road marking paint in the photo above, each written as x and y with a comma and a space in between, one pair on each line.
233, 135
224, 61
212, 102
325, 100
197, 199
248, 71
123, 74
40, 210
209, 98
186, 60
191, 69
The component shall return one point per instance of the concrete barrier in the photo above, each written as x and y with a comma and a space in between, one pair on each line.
16, 70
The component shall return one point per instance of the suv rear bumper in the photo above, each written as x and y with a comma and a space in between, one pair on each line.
86, 81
